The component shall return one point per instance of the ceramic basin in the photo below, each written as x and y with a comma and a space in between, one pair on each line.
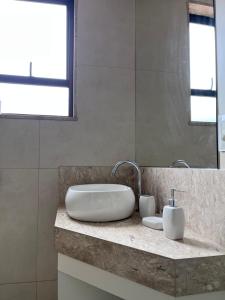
99, 202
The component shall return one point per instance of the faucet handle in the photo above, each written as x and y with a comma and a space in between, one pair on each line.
180, 162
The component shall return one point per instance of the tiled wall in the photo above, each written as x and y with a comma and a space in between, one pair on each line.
28, 202
32, 150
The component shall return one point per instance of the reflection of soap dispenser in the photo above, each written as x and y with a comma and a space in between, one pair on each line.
173, 219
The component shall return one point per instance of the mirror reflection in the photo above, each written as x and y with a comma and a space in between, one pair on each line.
176, 82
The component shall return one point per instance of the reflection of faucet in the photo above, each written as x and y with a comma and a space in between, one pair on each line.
135, 165
180, 162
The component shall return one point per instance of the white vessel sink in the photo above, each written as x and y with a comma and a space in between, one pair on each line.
99, 202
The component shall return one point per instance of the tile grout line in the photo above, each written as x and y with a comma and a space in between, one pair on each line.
26, 282
39, 144
53, 168
104, 67
36, 291
37, 219
151, 70
135, 89
37, 231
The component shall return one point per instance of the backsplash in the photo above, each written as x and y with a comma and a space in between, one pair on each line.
203, 198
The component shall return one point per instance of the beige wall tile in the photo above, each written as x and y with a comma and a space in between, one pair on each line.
161, 35
104, 132
48, 203
105, 33
18, 291
18, 225
19, 141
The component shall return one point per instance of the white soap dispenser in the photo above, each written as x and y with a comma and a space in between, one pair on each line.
173, 219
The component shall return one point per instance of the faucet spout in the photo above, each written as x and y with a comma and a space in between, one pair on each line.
134, 165
180, 162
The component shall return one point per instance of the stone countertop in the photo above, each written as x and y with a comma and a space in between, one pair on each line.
133, 251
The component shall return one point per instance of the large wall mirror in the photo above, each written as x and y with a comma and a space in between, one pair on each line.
176, 84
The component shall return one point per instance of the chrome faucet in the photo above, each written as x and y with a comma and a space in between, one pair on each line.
135, 165
180, 162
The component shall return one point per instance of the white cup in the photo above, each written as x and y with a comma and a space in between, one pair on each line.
146, 206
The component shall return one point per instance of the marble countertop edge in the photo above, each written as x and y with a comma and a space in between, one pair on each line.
130, 250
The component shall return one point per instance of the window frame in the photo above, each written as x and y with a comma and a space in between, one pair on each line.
51, 82
209, 21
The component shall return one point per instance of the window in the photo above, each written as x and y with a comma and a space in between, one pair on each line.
202, 67
36, 57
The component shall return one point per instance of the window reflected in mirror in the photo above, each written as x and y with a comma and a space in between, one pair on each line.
202, 63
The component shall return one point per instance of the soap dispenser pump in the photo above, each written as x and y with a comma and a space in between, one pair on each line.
173, 219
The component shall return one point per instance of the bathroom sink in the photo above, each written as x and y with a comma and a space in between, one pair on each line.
99, 202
